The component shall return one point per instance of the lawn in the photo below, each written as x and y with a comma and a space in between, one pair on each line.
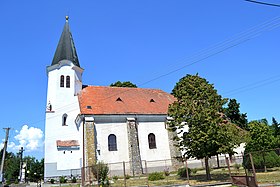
217, 175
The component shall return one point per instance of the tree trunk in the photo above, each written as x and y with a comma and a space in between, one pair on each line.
208, 176
264, 164
218, 162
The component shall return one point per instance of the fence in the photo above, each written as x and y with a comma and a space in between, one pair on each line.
259, 167
262, 167
122, 174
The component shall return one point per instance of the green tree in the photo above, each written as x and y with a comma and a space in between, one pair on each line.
261, 137
199, 107
233, 113
232, 137
35, 168
123, 84
275, 126
11, 166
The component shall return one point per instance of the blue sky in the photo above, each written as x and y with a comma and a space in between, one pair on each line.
138, 41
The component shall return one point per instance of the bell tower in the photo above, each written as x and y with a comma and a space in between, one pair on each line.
62, 139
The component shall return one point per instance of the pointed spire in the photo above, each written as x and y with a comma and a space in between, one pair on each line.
66, 49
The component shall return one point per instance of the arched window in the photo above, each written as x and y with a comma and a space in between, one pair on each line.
62, 81
152, 141
64, 118
67, 81
112, 142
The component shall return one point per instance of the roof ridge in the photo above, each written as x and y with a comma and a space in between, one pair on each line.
115, 87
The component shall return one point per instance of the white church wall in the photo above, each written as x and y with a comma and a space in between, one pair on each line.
103, 130
55, 131
162, 151
63, 102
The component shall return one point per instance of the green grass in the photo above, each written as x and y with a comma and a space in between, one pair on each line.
269, 177
217, 176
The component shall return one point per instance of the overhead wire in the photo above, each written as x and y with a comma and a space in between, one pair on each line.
263, 3
200, 56
252, 86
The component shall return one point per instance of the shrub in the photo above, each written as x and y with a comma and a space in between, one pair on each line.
182, 172
166, 172
237, 166
155, 176
127, 176
62, 179
194, 170
115, 177
52, 181
100, 172
268, 159
73, 180
16, 181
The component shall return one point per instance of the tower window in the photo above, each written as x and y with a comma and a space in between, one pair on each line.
67, 81
62, 81
152, 141
64, 118
112, 142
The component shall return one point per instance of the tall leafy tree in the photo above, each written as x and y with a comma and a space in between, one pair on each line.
35, 168
233, 113
275, 126
198, 107
11, 166
232, 137
123, 84
11, 169
261, 137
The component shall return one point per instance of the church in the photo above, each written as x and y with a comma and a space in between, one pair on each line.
85, 124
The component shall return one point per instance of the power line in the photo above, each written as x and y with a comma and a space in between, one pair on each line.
254, 85
263, 3
207, 53
201, 55
239, 38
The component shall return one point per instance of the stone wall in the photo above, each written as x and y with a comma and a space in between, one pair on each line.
174, 150
90, 147
90, 143
133, 146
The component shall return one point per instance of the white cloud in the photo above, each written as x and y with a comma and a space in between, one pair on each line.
30, 138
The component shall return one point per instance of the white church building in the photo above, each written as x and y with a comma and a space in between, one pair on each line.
86, 124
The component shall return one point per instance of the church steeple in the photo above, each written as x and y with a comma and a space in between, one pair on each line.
66, 49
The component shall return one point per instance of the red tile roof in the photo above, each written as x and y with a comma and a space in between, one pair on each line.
120, 100
67, 143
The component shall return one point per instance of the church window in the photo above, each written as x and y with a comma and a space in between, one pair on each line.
152, 141
67, 81
62, 81
112, 142
64, 118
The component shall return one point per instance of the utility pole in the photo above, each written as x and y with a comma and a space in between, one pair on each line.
4, 153
20, 165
